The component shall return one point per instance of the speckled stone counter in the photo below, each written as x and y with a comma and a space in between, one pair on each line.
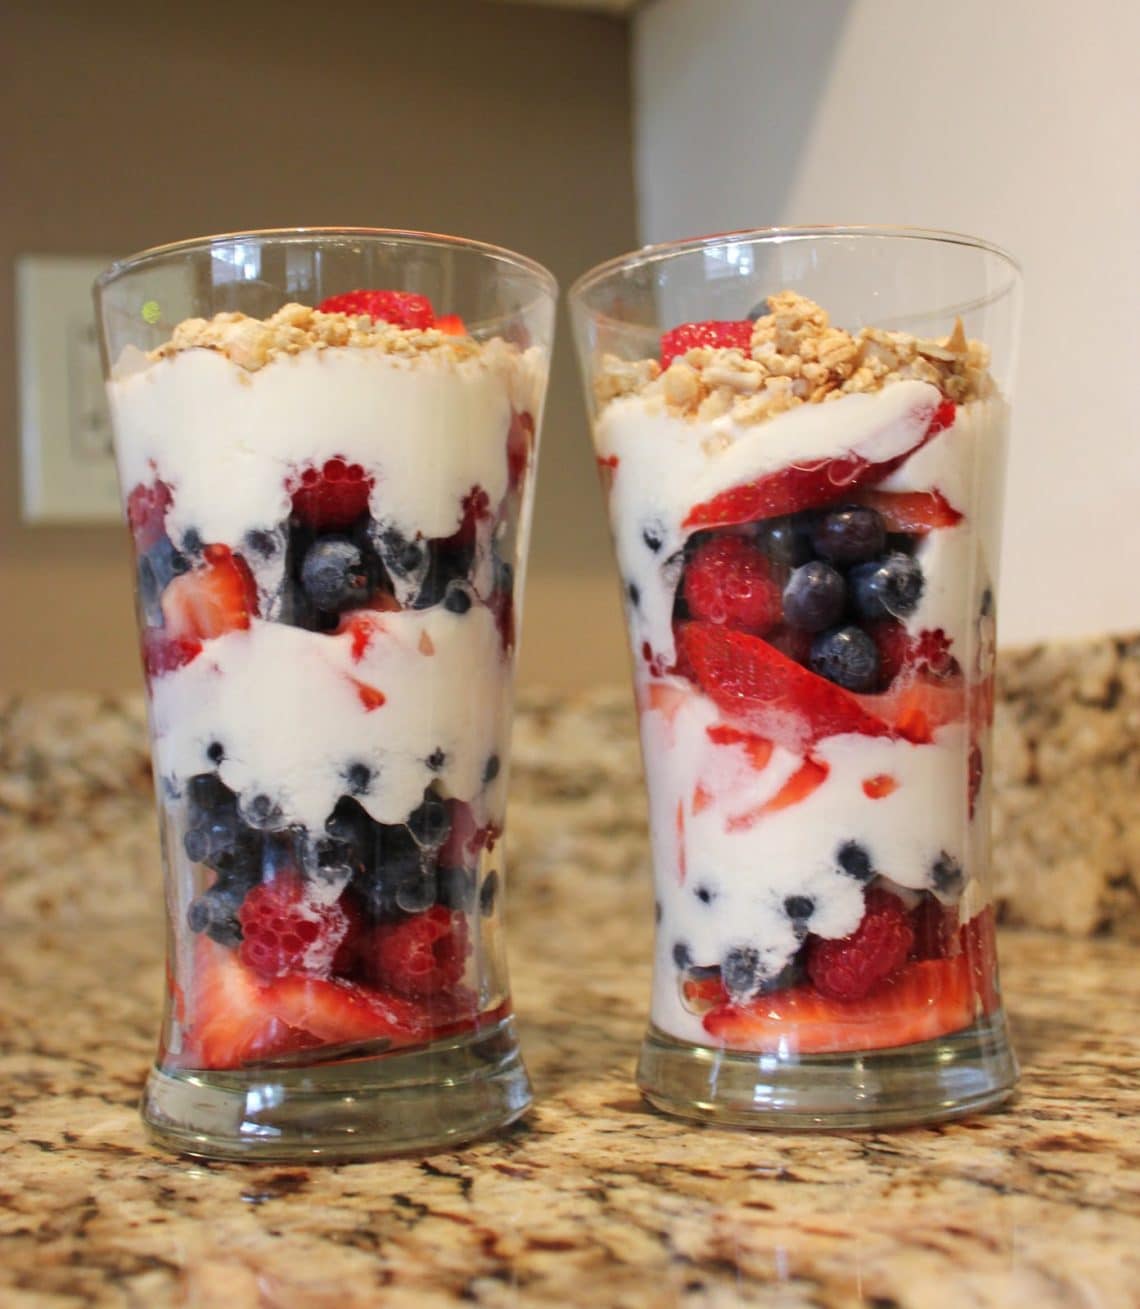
593, 1199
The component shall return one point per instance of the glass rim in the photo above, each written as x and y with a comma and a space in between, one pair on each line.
662, 251
300, 235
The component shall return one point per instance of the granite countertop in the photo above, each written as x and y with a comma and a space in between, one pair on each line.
593, 1199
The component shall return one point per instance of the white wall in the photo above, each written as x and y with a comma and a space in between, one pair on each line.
1013, 119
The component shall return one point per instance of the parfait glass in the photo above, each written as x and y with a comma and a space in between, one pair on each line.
801, 435
326, 442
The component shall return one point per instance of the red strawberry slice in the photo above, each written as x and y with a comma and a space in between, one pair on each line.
789, 490
230, 1024
332, 496
402, 308
338, 1013
978, 939
922, 1001
451, 325
711, 335
749, 680
163, 654
915, 707
146, 514
520, 442
700, 994
237, 1019
915, 512
219, 596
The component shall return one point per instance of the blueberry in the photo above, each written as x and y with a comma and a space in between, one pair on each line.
265, 544
215, 752
430, 823
705, 894
787, 541
946, 874
491, 771
653, 534
855, 860
887, 587
682, 955
799, 908
417, 891
447, 563
656, 911
814, 597
761, 309
488, 893
262, 812
156, 569
634, 593
215, 912
401, 555
455, 889
335, 575
849, 535
206, 793
848, 657
192, 541
436, 760
358, 778
741, 972
457, 600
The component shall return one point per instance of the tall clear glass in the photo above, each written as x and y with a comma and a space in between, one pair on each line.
326, 442
801, 435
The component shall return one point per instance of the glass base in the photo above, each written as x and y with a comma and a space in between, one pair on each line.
438, 1095
955, 1075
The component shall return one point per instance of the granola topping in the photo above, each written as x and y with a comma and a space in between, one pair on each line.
797, 357
251, 343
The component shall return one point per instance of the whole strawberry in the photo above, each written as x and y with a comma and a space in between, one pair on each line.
402, 308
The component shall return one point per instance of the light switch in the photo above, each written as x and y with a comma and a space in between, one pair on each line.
68, 470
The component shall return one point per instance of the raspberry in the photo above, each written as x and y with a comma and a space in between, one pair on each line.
520, 441
851, 968
935, 929
932, 652
146, 514
331, 497
729, 583
285, 932
402, 308
709, 336
421, 956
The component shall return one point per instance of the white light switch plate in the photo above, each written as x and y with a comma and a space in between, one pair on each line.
68, 470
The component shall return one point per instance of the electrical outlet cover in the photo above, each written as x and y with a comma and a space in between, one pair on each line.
68, 468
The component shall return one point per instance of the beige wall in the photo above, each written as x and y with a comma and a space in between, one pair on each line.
132, 124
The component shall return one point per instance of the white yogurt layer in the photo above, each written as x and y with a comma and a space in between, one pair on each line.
722, 869
289, 708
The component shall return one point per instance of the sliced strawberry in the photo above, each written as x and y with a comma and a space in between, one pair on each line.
809, 777
708, 335
451, 325
217, 597
757, 748
402, 308
700, 994
922, 1001
337, 1013
792, 489
914, 512
331, 497
230, 1024
879, 786
520, 442
916, 706
164, 654
749, 680
146, 514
